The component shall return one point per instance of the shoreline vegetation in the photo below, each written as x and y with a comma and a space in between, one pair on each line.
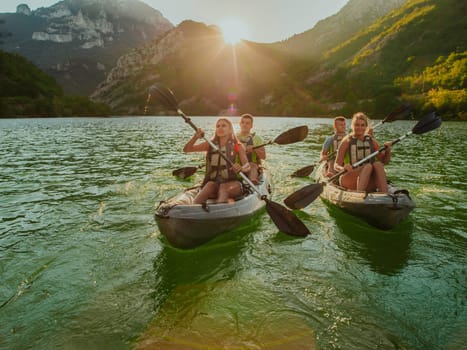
374, 118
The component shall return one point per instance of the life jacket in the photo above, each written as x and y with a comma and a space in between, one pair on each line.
336, 140
217, 169
359, 149
248, 141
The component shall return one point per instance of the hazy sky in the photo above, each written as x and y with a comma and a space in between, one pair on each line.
263, 20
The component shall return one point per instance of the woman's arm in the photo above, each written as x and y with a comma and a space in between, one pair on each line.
190, 145
385, 156
245, 165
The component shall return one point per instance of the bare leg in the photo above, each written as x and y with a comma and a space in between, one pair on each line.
364, 177
349, 180
208, 191
379, 175
228, 190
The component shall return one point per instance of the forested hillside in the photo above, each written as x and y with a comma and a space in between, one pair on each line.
25, 90
416, 53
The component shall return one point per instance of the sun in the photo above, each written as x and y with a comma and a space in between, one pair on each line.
233, 30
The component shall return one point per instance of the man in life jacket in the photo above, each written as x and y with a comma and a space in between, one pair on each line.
330, 145
250, 141
222, 180
357, 145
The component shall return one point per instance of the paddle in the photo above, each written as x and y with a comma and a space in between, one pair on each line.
285, 220
287, 137
186, 171
304, 196
400, 112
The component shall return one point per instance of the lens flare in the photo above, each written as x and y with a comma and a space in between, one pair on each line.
233, 30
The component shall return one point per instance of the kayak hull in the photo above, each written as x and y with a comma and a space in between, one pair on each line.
187, 225
383, 211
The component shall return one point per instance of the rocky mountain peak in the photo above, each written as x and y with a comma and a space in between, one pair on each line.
23, 9
86, 37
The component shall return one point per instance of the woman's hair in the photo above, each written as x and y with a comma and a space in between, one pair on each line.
361, 116
232, 136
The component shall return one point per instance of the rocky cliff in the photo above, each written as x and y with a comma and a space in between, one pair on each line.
79, 41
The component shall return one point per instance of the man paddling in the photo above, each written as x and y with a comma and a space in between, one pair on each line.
250, 140
331, 144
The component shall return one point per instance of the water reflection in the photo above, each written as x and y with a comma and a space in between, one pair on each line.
204, 299
386, 252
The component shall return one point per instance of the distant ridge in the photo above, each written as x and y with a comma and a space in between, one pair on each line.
86, 37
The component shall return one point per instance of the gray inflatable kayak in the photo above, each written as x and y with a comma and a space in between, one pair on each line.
380, 210
187, 225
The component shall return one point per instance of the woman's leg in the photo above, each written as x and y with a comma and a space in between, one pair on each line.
209, 190
379, 177
229, 190
364, 177
351, 180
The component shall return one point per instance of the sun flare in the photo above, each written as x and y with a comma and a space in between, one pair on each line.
233, 30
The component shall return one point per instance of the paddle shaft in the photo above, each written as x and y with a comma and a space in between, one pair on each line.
262, 145
375, 153
214, 147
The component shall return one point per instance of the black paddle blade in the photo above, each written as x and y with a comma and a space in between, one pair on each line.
163, 95
429, 122
185, 172
399, 113
304, 196
285, 220
304, 172
291, 136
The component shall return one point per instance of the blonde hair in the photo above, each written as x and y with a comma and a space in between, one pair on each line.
360, 116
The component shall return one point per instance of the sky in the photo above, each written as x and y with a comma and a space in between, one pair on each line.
262, 21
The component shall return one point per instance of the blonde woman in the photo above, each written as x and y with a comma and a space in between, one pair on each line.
222, 180
370, 176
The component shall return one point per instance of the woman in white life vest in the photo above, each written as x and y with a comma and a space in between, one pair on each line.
370, 176
222, 180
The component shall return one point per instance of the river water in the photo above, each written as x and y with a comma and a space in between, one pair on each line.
83, 265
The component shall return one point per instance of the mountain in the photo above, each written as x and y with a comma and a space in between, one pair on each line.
211, 78
79, 41
329, 32
416, 52
194, 60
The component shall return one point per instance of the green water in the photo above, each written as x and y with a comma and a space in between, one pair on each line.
83, 265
